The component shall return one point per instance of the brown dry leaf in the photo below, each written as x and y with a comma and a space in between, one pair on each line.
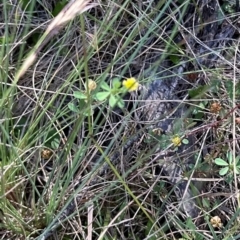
192, 77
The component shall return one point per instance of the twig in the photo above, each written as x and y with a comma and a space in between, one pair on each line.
215, 124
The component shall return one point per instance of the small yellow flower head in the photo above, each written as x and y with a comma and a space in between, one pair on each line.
176, 140
216, 222
91, 85
157, 131
46, 154
215, 107
130, 84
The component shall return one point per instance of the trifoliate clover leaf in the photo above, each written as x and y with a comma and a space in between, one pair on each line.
116, 83
185, 141
79, 95
221, 162
112, 101
223, 171
105, 86
73, 107
101, 96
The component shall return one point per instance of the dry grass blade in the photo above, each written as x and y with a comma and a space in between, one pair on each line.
69, 12
90, 222
165, 165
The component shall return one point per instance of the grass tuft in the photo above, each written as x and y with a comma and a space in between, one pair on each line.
71, 74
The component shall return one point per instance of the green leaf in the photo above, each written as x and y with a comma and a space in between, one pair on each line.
228, 8
185, 141
26, 4
73, 107
120, 103
221, 162
229, 87
175, 59
230, 157
206, 203
105, 86
190, 224
116, 83
198, 92
58, 7
112, 101
79, 95
201, 105
148, 230
223, 171
229, 178
101, 96
55, 143
198, 111
191, 125
53, 139
237, 159
88, 112
215, 85
198, 114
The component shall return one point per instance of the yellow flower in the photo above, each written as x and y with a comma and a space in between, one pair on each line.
176, 140
130, 84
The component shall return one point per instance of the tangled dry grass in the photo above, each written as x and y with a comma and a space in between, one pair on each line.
46, 148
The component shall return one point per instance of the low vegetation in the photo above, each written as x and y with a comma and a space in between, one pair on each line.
70, 74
